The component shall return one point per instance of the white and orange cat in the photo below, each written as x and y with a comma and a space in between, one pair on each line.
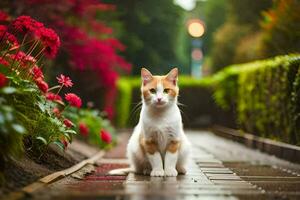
158, 145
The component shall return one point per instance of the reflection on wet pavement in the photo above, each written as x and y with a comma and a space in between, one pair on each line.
219, 169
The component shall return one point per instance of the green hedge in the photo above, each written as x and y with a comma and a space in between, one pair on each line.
129, 95
262, 97
265, 95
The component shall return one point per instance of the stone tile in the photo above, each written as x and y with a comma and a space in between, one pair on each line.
219, 169
208, 173
224, 177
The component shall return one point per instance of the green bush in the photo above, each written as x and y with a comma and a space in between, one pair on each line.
95, 122
265, 95
280, 28
33, 118
128, 89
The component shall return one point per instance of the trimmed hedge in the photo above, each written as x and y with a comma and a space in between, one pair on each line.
265, 95
127, 106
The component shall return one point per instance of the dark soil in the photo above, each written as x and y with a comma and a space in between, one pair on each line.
32, 166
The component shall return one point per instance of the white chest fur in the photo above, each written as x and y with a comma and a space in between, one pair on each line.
161, 125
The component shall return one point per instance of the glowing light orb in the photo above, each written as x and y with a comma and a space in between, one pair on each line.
196, 28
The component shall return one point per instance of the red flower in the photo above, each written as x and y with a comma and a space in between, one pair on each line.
65, 143
53, 97
64, 80
68, 123
26, 23
56, 111
50, 40
116, 44
3, 16
105, 136
109, 110
8, 37
43, 86
48, 37
73, 100
3, 62
37, 73
25, 60
84, 130
3, 80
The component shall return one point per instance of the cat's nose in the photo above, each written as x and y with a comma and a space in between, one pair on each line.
159, 99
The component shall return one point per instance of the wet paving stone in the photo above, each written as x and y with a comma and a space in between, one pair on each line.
219, 169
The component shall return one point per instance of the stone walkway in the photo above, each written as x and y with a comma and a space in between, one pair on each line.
220, 169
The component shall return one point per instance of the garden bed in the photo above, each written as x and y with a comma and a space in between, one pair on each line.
38, 123
31, 167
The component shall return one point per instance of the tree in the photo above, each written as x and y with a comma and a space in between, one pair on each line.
151, 33
240, 27
281, 28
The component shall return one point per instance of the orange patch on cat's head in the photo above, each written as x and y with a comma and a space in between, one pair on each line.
168, 82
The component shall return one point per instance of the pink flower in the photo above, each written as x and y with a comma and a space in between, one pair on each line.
37, 73
84, 130
43, 86
73, 100
64, 80
68, 123
47, 36
109, 110
65, 143
50, 40
3, 62
26, 24
8, 37
53, 97
56, 111
24, 59
3, 80
105, 136
116, 44
3, 16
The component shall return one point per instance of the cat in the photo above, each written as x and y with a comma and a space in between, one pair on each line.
158, 145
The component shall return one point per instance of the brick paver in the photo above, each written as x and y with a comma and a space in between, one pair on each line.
219, 169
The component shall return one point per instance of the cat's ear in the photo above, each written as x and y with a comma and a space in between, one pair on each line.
172, 76
146, 76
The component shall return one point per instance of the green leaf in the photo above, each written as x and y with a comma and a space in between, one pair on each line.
41, 106
42, 139
18, 128
9, 90
29, 90
67, 136
71, 131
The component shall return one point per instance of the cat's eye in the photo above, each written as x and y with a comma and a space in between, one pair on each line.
166, 90
153, 91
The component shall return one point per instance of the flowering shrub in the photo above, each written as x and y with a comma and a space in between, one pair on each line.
30, 110
86, 39
91, 126
26, 105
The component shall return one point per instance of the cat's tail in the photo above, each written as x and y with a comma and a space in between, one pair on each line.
121, 171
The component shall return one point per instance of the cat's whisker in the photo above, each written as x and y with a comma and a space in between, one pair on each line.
135, 111
181, 104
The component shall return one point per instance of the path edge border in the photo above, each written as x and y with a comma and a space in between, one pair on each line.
279, 149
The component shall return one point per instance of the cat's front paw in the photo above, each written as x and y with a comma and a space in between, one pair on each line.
171, 172
157, 172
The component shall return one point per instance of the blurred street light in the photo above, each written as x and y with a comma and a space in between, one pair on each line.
196, 28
